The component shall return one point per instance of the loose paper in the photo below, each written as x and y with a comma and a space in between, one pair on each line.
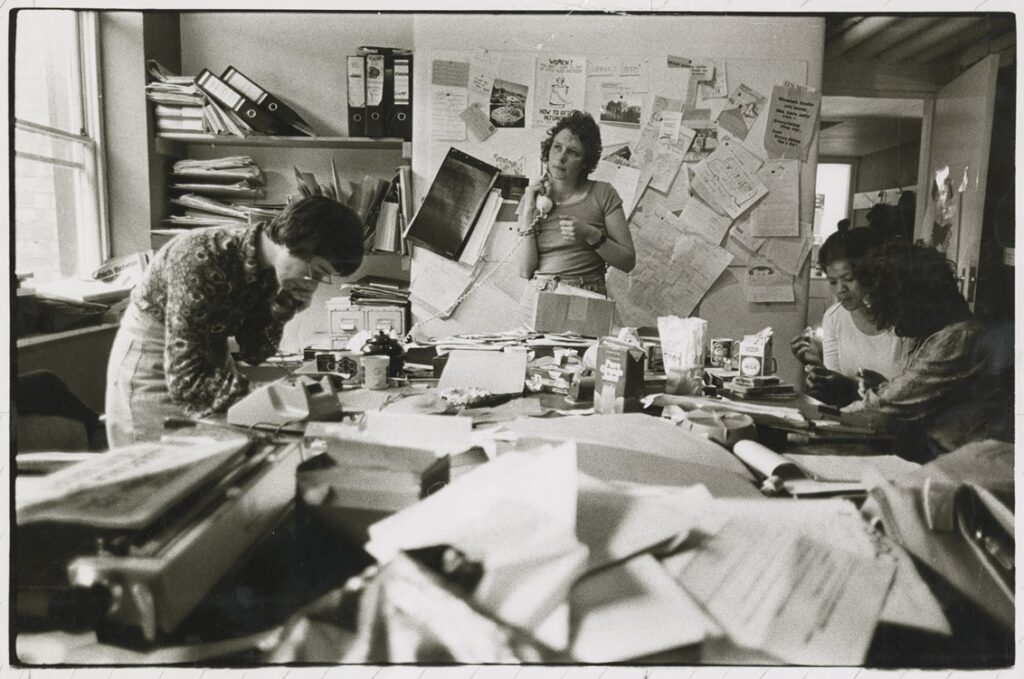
789, 253
665, 167
621, 104
705, 139
624, 179
792, 118
449, 73
561, 88
779, 213
773, 588
482, 70
671, 121
478, 122
632, 66
721, 180
508, 103
767, 283
716, 86
674, 199
750, 160
745, 106
446, 107
699, 218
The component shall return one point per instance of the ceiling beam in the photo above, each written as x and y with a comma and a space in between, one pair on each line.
857, 34
893, 35
845, 78
928, 39
975, 53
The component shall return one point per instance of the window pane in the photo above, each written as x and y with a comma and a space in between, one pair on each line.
46, 220
39, 144
45, 54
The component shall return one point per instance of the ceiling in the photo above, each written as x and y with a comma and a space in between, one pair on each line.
876, 48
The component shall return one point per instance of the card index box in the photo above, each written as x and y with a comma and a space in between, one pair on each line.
588, 316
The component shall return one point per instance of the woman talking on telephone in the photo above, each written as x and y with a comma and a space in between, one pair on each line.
170, 356
575, 227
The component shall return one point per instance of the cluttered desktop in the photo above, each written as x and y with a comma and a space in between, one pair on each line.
650, 496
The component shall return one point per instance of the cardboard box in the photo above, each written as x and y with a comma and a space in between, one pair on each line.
756, 356
588, 316
620, 377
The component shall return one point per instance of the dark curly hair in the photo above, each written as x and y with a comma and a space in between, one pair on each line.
584, 128
914, 290
320, 226
856, 246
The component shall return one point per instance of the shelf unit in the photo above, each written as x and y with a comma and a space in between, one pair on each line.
172, 143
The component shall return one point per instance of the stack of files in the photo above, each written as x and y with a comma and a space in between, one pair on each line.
204, 211
236, 176
218, 170
379, 291
178, 103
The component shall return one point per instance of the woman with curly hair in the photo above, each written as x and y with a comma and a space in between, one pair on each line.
852, 344
955, 389
575, 227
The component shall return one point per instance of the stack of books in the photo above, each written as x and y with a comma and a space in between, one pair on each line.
766, 387
231, 104
378, 291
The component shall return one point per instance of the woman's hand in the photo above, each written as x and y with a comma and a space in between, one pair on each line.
830, 386
807, 349
575, 230
868, 382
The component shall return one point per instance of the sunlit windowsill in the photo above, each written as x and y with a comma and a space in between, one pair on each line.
54, 337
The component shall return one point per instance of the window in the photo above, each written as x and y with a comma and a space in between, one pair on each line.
832, 198
59, 210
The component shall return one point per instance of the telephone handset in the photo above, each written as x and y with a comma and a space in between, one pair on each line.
544, 204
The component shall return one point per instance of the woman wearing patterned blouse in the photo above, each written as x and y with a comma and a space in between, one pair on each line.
958, 384
171, 351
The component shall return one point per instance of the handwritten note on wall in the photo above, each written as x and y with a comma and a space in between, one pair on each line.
792, 117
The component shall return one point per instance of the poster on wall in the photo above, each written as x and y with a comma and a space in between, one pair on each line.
792, 118
561, 88
621, 104
745, 105
448, 99
508, 103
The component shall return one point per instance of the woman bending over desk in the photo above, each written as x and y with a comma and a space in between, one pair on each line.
958, 384
574, 227
853, 345
171, 355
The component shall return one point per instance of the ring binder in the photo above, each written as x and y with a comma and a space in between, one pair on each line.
356, 96
280, 111
244, 107
375, 104
400, 118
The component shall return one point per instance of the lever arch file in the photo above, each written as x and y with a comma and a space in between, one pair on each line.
356, 96
243, 106
376, 107
278, 110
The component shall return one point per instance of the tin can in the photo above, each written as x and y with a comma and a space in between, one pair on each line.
721, 351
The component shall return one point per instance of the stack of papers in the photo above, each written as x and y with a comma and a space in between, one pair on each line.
379, 291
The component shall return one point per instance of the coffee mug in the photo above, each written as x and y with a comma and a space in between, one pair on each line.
375, 371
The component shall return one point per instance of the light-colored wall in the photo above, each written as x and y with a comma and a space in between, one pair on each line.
767, 40
890, 168
299, 56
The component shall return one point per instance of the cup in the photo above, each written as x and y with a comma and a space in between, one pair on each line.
375, 371
721, 351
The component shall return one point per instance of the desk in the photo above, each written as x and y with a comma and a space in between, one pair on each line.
266, 588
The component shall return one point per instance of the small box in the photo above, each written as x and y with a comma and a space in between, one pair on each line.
619, 382
345, 319
588, 316
756, 355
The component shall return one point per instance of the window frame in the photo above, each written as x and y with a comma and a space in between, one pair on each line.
93, 230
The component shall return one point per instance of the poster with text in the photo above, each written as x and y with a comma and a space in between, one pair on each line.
561, 88
792, 118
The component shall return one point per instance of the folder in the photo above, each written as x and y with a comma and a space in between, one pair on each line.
400, 117
357, 96
375, 104
246, 109
278, 110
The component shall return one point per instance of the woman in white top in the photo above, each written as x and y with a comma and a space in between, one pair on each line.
852, 347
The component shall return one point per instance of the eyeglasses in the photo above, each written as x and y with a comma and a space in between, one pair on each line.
318, 277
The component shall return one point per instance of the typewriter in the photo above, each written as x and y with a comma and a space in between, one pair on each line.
130, 541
